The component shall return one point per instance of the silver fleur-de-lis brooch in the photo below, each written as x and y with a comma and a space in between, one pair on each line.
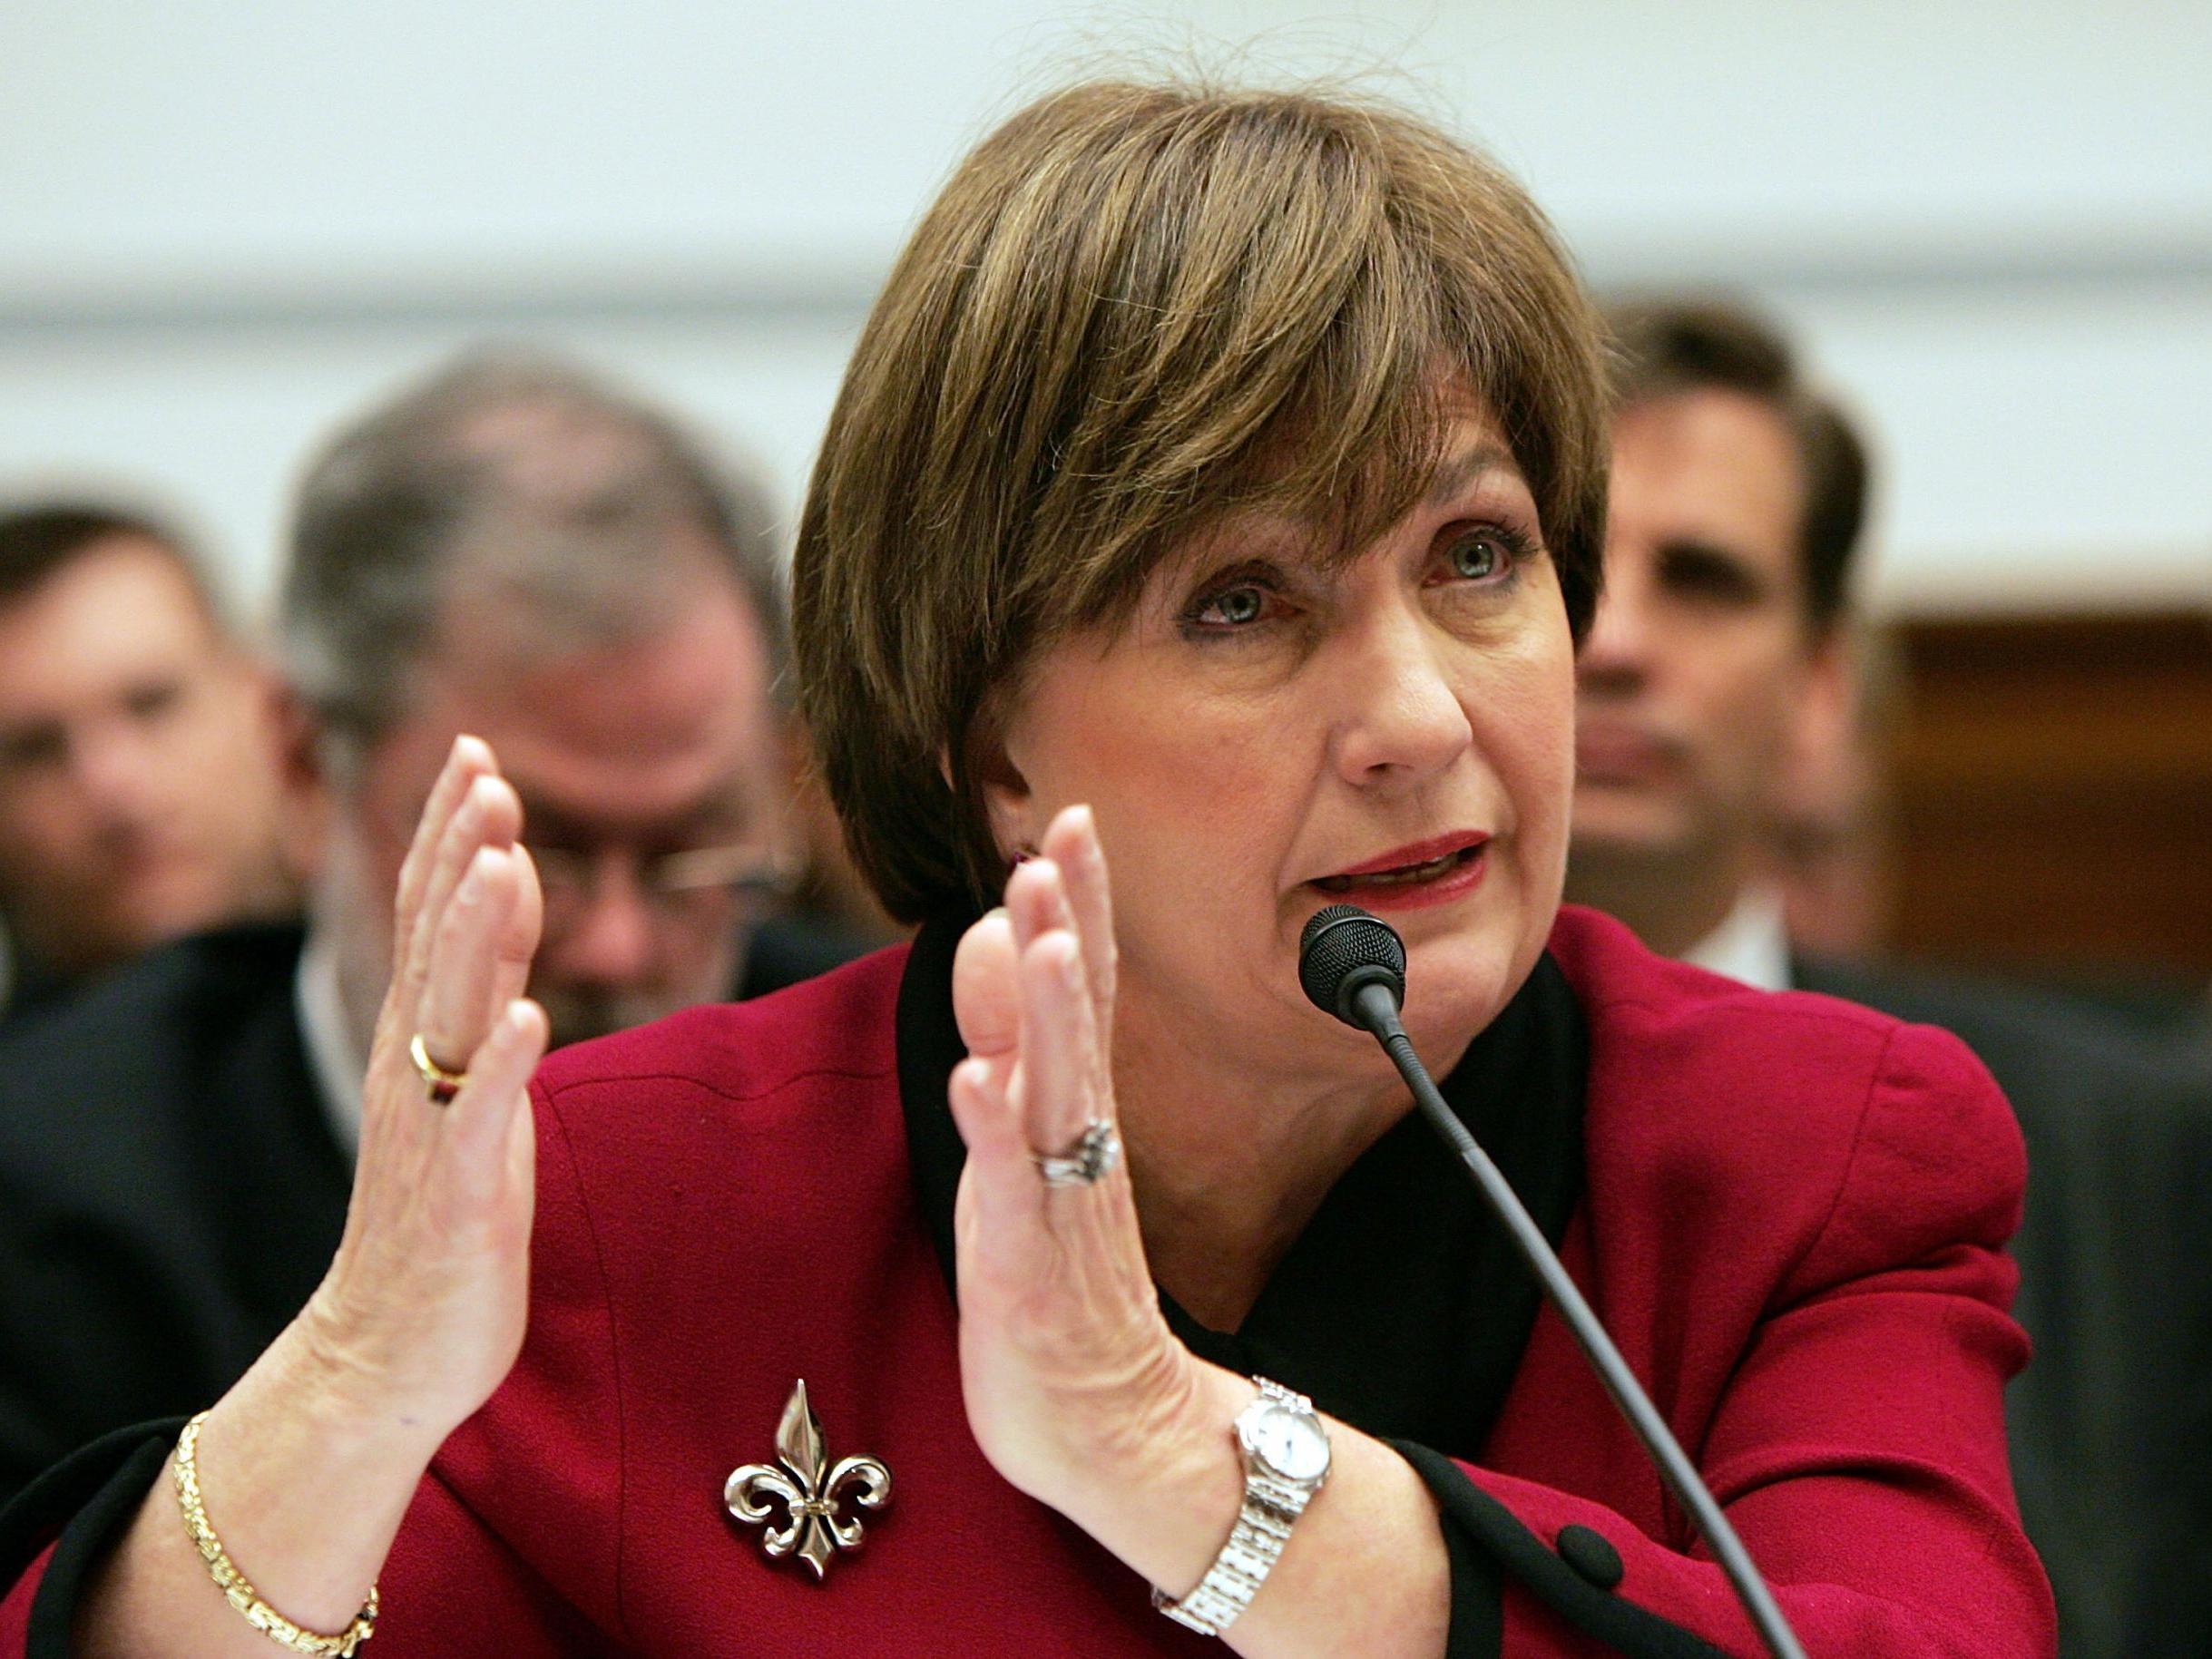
810, 1489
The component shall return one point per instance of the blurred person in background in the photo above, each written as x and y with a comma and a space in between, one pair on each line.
1717, 683
1833, 835
139, 800
513, 550
1718, 661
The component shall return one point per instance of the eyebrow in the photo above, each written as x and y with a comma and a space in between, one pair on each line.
728, 811
1455, 474
1700, 556
1453, 477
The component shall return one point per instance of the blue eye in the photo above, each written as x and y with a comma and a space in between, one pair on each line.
1235, 607
1229, 608
1478, 556
1244, 599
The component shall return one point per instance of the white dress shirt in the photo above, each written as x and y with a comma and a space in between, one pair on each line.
1751, 943
336, 1068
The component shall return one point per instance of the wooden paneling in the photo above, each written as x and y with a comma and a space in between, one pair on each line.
2053, 794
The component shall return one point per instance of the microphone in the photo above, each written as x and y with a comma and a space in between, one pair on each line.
1352, 965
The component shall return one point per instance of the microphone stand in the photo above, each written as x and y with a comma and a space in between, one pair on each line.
1373, 1007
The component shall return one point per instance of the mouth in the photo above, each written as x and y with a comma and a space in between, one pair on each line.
1608, 753
1424, 873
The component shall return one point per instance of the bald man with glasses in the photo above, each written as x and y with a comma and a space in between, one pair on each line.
514, 550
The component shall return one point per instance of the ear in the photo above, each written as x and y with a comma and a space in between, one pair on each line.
1823, 726
1828, 712
303, 778
296, 732
1010, 806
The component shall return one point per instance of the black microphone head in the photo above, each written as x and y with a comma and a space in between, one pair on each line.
1343, 949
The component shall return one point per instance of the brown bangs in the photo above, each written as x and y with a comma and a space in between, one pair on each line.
1134, 311
1247, 328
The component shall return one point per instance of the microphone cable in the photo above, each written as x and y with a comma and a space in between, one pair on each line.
1352, 965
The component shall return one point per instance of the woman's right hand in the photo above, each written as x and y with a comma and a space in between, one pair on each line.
423, 1309
309, 1464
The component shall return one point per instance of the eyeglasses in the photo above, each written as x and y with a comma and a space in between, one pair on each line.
688, 881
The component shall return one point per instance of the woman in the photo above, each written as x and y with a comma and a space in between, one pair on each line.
1219, 482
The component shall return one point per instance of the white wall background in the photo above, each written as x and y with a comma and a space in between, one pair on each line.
225, 225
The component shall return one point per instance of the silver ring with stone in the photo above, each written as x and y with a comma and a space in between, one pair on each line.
1095, 1152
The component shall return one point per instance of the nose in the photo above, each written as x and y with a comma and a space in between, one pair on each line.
1404, 722
1617, 654
607, 942
115, 768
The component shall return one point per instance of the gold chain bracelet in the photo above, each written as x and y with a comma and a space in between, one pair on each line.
233, 1583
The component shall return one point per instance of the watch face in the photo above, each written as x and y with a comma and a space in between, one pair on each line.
1291, 1443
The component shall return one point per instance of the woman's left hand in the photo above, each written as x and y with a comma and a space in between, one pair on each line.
1076, 1389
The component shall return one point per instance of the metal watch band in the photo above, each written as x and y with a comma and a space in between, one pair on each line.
1263, 1528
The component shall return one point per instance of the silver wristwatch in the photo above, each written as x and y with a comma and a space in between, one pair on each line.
1286, 1460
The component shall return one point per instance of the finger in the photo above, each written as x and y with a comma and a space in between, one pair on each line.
468, 759
999, 1184
1071, 842
1063, 1089
985, 1000
488, 815
1036, 901
1059, 1096
456, 1006
482, 1117
989, 1124
518, 941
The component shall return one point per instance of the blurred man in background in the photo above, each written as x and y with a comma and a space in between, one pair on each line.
1834, 834
1719, 669
1720, 656
512, 551
138, 790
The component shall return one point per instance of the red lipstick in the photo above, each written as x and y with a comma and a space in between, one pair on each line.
1420, 874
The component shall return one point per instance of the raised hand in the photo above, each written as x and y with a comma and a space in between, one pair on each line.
1066, 1361
1076, 1389
425, 1301
308, 1463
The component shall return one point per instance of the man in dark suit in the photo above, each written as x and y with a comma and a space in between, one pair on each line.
138, 797
1720, 658
512, 551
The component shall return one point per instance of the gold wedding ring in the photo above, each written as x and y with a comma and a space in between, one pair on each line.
440, 1084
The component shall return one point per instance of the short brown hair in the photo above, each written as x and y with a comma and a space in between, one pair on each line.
1135, 309
1663, 347
39, 540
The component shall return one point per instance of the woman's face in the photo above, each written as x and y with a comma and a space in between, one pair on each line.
1267, 736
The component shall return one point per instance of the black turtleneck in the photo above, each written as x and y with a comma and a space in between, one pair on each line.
1401, 1308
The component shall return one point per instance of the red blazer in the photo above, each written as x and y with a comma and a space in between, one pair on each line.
1792, 1225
